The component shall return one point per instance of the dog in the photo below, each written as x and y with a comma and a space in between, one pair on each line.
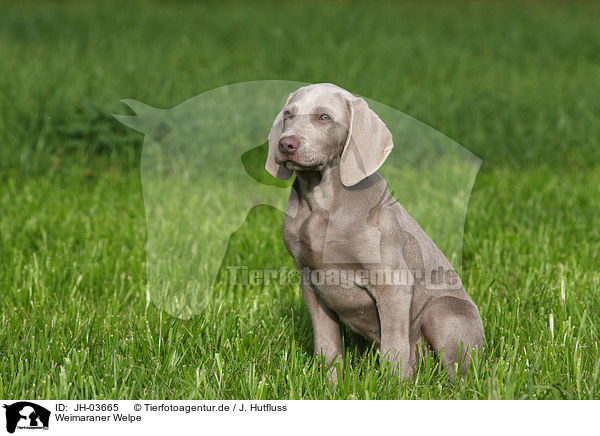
341, 220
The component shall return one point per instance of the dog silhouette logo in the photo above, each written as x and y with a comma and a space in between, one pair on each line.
203, 171
26, 415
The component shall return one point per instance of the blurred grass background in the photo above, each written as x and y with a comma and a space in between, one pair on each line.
514, 82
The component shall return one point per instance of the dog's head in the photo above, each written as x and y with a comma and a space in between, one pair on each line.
322, 125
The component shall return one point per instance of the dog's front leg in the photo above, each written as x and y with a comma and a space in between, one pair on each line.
326, 330
393, 305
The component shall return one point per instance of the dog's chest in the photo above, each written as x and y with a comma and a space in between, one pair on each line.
304, 236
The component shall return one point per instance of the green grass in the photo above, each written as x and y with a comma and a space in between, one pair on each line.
515, 83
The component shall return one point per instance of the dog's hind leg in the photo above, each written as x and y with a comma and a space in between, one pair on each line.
453, 328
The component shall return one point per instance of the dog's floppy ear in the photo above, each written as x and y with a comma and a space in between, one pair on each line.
271, 166
368, 144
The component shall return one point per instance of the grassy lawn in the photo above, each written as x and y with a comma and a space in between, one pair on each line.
515, 83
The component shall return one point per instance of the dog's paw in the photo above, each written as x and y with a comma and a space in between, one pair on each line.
335, 373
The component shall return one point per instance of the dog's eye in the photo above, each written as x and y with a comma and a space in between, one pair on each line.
324, 117
287, 114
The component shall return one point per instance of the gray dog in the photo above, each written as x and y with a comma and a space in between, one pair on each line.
363, 259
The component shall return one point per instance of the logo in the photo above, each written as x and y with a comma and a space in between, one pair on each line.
26, 415
205, 167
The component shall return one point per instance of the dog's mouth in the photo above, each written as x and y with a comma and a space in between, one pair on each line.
297, 166
299, 161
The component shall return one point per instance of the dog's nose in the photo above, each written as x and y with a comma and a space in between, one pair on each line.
289, 144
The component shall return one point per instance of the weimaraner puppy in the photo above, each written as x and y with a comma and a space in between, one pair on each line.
363, 259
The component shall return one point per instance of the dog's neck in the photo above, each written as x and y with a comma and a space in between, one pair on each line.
318, 188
